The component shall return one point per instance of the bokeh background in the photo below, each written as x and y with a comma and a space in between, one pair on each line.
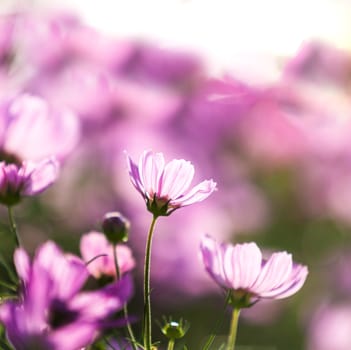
255, 93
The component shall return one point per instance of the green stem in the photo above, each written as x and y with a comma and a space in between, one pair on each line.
218, 324
125, 309
13, 225
147, 303
233, 329
115, 259
171, 344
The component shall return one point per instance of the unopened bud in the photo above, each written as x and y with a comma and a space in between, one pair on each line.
174, 330
115, 227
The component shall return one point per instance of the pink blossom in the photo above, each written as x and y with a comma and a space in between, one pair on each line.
85, 88
242, 269
330, 328
52, 312
27, 179
165, 187
95, 245
44, 40
30, 129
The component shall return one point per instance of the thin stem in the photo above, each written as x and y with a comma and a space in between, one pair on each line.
218, 324
115, 259
13, 226
171, 344
125, 309
147, 303
129, 328
233, 329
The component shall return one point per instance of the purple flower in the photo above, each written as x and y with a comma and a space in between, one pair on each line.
330, 327
27, 179
95, 244
165, 187
241, 269
31, 130
51, 313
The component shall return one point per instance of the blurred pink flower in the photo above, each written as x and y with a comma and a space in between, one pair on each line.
7, 29
165, 187
325, 183
242, 269
51, 311
320, 63
331, 328
31, 130
94, 244
44, 40
145, 102
27, 179
164, 66
106, 51
277, 140
85, 88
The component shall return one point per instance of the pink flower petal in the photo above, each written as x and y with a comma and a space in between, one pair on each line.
176, 178
275, 272
61, 267
150, 169
199, 193
290, 287
22, 263
242, 264
41, 177
212, 257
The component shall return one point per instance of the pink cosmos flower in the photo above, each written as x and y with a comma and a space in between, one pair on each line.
30, 129
241, 269
52, 312
330, 327
165, 187
95, 244
27, 179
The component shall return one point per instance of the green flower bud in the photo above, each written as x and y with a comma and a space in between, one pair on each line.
174, 330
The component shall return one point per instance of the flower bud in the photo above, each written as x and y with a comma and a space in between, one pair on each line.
174, 330
115, 227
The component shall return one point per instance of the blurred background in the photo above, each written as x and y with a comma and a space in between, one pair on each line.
255, 93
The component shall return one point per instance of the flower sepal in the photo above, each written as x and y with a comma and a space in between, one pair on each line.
240, 299
173, 329
159, 206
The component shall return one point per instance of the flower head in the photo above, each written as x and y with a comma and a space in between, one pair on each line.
98, 253
30, 129
241, 269
27, 179
166, 187
52, 313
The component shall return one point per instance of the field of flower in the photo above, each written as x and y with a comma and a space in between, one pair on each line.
146, 201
